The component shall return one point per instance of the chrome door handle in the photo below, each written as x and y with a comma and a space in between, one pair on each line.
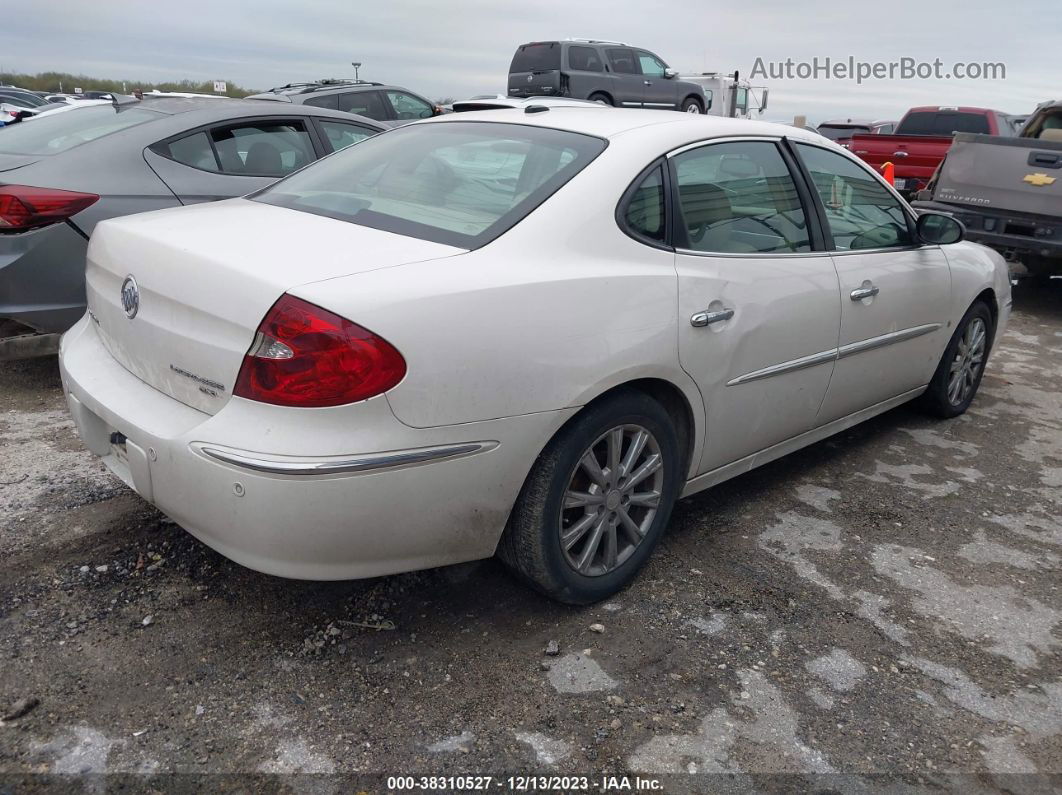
647, 82
860, 293
900, 154
707, 318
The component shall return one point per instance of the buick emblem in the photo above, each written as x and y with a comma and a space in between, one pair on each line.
130, 297
530, 78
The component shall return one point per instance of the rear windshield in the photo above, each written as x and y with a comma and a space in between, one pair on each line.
540, 57
458, 183
942, 123
59, 132
836, 133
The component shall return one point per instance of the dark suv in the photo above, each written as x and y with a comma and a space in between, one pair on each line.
609, 72
360, 97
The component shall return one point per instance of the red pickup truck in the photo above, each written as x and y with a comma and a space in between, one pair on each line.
922, 139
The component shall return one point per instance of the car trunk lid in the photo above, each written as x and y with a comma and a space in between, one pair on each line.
535, 70
1022, 175
205, 276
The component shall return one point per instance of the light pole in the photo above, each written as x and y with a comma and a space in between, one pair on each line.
357, 66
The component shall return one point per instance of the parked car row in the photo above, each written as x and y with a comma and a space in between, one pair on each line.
1008, 191
526, 338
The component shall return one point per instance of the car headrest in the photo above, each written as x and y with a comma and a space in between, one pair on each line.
264, 158
704, 204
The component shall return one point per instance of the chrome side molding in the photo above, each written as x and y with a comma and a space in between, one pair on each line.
299, 466
891, 338
851, 349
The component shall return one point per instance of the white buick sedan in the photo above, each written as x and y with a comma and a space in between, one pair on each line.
516, 332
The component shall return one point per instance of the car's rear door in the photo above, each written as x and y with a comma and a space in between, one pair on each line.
758, 305
628, 88
895, 292
234, 157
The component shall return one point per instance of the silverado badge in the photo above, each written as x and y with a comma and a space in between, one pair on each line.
1039, 180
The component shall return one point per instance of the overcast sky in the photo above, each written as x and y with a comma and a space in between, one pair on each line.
463, 47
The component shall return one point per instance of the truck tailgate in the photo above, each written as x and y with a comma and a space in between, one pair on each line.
1021, 175
912, 155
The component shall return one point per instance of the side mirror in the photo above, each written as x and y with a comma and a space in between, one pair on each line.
670, 73
763, 101
938, 229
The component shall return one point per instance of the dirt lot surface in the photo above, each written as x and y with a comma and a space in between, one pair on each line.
885, 602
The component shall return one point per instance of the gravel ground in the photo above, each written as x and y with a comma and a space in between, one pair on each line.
885, 602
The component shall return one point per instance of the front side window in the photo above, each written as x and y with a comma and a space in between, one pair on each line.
861, 212
458, 183
267, 149
739, 198
622, 61
341, 135
644, 213
408, 107
742, 100
584, 59
651, 65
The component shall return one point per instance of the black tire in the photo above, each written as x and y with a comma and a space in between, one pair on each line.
531, 545
604, 99
689, 103
936, 400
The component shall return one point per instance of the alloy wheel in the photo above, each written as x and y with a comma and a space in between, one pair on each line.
968, 361
611, 499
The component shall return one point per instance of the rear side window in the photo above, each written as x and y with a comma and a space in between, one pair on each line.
363, 103
262, 149
540, 57
644, 213
739, 198
622, 61
192, 150
50, 135
459, 183
270, 149
942, 123
584, 59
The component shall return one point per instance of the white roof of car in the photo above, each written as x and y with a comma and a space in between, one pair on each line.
672, 127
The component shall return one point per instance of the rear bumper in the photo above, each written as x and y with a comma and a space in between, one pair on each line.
1015, 235
335, 497
42, 277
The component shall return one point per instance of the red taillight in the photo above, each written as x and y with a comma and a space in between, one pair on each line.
23, 207
306, 356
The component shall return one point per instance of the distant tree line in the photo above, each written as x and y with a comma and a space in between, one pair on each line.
62, 81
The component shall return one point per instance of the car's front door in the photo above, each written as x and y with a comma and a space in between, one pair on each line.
758, 305
659, 91
627, 82
894, 291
